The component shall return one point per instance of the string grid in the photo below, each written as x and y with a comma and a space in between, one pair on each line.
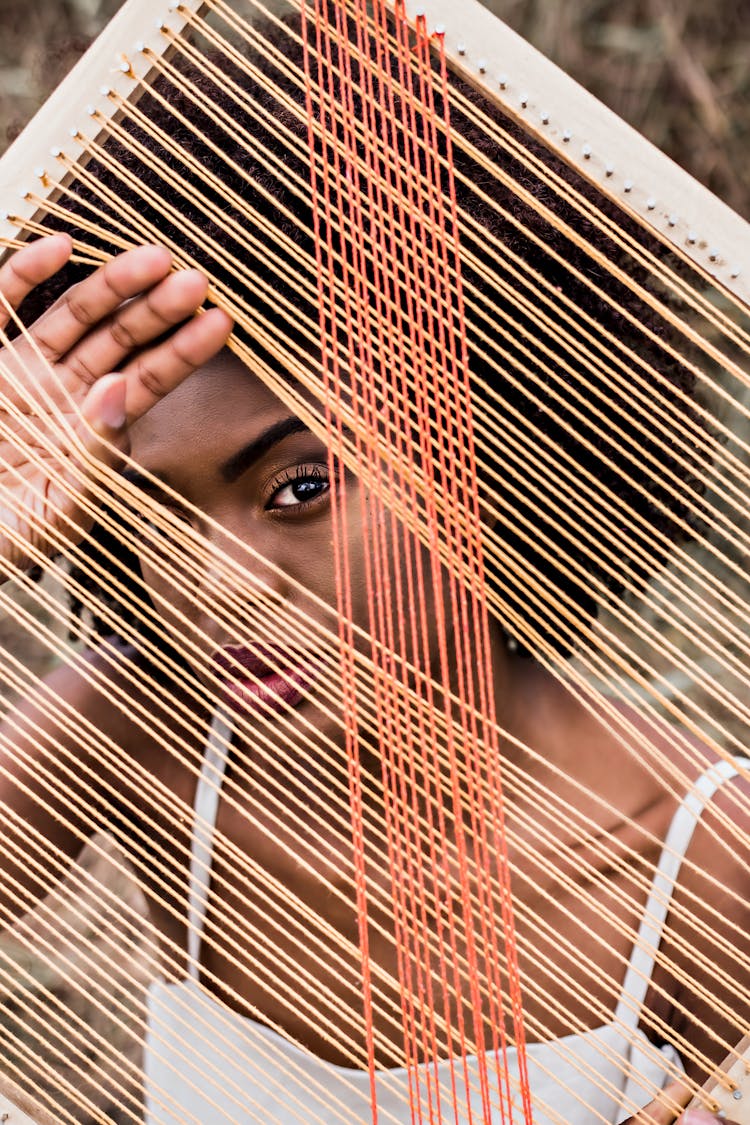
529, 406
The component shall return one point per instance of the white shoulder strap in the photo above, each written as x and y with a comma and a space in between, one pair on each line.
207, 794
676, 843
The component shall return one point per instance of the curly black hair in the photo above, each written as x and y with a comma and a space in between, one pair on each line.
528, 403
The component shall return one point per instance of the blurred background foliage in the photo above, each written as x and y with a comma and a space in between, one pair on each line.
678, 70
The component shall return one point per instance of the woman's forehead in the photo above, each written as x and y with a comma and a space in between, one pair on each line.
213, 403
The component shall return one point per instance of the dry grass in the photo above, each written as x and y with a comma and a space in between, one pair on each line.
678, 70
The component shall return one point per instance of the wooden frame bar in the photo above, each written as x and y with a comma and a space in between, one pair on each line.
591, 138
547, 103
18, 1108
106, 65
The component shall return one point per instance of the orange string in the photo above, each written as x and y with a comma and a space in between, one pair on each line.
388, 228
381, 591
405, 756
333, 383
481, 626
399, 780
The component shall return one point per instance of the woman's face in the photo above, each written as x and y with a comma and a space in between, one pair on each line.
266, 628
234, 451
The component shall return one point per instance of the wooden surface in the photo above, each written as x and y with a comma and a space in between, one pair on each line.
114, 61
731, 1103
549, 104
17, 1108
593, 139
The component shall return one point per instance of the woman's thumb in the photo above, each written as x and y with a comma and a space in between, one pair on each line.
104, 412
665, 1109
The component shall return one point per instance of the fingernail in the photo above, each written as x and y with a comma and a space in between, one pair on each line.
112, 407
698, 1117
60, 236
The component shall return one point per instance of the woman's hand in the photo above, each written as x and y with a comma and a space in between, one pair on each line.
662, 1111
703, 1117
106, 361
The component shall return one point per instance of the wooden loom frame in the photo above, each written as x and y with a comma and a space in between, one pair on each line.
548, 105
519, 79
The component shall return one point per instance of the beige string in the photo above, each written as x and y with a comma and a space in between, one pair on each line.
610, 655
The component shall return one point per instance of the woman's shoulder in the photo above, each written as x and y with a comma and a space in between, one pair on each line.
695, 803
718, 859
706, 949
74, 747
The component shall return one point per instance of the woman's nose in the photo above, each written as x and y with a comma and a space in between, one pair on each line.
238, 579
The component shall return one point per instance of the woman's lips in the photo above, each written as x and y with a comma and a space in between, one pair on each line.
269, 686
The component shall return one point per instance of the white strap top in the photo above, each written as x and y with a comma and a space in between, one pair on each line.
204, 1062
676, 843
641, 966
207, 796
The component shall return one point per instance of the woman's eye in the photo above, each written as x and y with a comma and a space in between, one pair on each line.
302, 490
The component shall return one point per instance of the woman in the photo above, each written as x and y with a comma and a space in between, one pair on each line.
195, 419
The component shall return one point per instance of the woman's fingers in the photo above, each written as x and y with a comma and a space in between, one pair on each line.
97, 297
119, 398
702, 1117
117, 310
115, 313
158, 371
30, 267
103, 410
136, 324
665, 1110
120, 308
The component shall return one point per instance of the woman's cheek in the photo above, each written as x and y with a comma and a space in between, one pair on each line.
169, 599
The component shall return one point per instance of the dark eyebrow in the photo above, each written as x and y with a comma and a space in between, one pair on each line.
241, 461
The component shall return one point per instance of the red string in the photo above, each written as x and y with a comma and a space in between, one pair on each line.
437, 863
321, 193
377, 575
392, 314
